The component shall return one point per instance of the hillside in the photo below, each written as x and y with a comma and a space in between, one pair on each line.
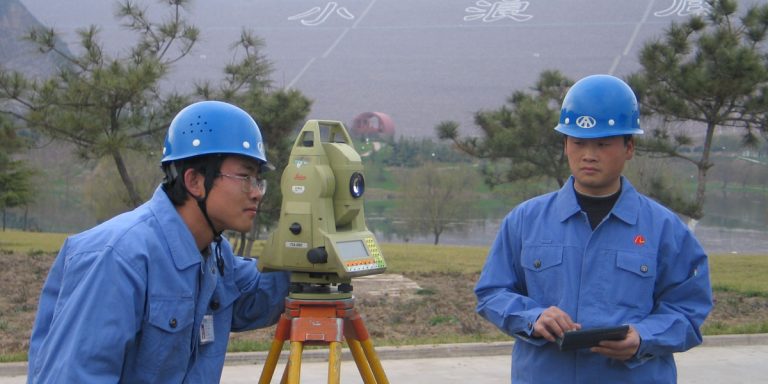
15, 53
420, 62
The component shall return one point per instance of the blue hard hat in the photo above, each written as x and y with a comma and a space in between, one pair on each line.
211, 127
599, 106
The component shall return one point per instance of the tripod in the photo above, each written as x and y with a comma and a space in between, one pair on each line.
320, 322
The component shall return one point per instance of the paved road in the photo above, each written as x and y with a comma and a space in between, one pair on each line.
704, 365
722, 359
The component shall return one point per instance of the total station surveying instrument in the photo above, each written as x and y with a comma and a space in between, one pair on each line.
322, 239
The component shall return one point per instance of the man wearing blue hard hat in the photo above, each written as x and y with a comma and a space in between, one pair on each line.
596, 257
151, 295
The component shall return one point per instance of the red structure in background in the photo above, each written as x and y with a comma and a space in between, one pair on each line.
373, 125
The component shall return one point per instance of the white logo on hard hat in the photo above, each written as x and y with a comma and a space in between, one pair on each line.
586, 122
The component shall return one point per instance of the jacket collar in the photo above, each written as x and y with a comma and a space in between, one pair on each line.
625, 209
180, 241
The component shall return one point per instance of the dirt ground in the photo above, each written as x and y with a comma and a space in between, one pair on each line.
397, 309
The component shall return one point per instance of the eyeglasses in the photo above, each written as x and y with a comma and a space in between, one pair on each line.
248, 183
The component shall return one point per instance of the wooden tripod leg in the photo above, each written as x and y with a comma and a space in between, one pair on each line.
284, 378
294, 362
361, 361
334, 362
269, 365
281, 334
373, 359
361, 334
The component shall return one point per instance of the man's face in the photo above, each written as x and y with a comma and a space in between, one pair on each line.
596, 164
233, 203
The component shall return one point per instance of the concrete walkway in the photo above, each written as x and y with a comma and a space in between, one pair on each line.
728, 359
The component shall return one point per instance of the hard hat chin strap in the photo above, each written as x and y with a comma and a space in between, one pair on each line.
177, 190
201, 203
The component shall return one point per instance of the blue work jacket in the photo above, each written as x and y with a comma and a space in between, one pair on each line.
125, 302
640, 266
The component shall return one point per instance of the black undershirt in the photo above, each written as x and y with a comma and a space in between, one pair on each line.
596, 208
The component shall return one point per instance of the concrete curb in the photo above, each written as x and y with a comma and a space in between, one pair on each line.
502, 348
420, 352
387, 353
733, 340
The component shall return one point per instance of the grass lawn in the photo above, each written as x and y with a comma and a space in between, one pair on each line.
31, 242
745, 274
739, 284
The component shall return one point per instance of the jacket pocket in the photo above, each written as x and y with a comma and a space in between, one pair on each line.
635, 280
171, 314
165, 342
544, 273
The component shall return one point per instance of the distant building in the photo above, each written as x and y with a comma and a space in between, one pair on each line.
373, 125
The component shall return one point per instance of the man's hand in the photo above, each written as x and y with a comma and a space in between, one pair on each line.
552, 323
620, 349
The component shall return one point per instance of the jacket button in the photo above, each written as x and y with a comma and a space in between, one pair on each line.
643, 268
215, 304
172, 323
537, 264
